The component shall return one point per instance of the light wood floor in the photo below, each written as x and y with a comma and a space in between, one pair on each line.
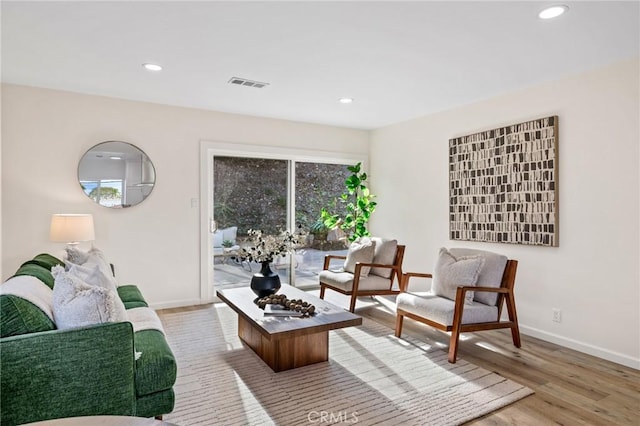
571, 388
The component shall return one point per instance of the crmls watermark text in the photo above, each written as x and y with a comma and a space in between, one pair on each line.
332, 417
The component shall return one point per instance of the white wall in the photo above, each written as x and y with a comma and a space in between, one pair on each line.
1, 275
593, 275
156, 243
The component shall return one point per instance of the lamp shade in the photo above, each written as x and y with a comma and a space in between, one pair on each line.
72, 228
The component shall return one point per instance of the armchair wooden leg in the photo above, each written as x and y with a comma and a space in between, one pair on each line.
352, 306
515, 334
399, 320
453, 345
455, 327
513, 317
322, 291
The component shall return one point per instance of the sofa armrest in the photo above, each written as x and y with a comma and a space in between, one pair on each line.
67, 373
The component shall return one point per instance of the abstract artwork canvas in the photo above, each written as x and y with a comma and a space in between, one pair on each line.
503, 184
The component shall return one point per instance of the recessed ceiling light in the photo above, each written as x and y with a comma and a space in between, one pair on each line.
345, 100
115, 157
552, 11
152, 67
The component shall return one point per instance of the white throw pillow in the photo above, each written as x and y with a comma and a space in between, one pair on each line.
361, 250
226, 234
385, 254
78, 304
230, 234
451, 273
218, 238
96, 257
93, 274
75, 255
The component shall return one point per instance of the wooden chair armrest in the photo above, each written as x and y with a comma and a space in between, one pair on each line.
404, 281
417, 274
360, 265
328, 258
376, 265
460, 293
487, 289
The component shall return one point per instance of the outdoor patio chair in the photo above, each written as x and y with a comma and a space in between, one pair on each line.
467, 290
222, 236
367, 271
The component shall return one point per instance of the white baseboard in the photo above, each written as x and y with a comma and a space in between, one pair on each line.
582, 347
177, 304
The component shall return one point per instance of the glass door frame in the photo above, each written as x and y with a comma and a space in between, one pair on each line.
210, 149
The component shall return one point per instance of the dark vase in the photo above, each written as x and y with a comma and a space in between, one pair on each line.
265, 282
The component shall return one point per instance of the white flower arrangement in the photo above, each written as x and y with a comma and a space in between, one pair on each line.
265, 248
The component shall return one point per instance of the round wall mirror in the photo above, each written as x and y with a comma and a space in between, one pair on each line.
116, 174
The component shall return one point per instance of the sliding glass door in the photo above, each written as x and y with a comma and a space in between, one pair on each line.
249, 193
317, 185
272, 195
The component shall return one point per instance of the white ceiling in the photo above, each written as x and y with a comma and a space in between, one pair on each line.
398, 60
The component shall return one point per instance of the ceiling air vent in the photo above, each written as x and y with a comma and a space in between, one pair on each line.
249, 83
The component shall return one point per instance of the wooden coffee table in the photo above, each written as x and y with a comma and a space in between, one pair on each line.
287, 342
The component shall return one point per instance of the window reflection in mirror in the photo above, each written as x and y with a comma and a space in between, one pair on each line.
116, 174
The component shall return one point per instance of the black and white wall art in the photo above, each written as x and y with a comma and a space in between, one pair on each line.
503, 185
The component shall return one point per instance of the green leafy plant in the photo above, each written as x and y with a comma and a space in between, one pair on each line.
105, 192
319, 229
359, 206
224, 213
227, 243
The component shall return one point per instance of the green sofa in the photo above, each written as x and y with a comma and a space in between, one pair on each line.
103, 369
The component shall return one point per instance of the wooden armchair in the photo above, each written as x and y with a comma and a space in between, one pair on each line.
385, 268
495, 282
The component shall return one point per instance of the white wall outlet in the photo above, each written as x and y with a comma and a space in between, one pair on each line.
194, 202
557, 315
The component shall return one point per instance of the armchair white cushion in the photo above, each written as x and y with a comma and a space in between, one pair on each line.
344, 280
441, 309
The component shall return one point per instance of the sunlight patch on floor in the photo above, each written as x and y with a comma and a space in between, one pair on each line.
253, 410
492, 348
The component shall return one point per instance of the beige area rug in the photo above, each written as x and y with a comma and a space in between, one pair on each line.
372, 378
